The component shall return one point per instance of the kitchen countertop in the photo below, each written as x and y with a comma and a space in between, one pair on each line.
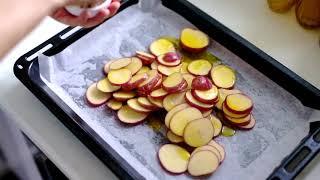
72, 157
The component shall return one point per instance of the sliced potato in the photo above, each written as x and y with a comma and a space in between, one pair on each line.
189, 78
239, 103
174, 158
162, 59
199, 67
206, 113
238, 121
96, 97
120, 63
173, 82
194, 40
123, 95
180, 120
231, 114
134, 66
133, 104
184, 68
248, 126
158, 93
161, 46
174, 138
173, 100
223, 76
154, 65
106, 67
104, 85
198, 132
219, 147
119, 76
208, 96
223, 93
143, 69
130, 116
114, 104
208, 148
195, 103
203, 163
173, 111
156, 102
217, 125
168, 70
144, 102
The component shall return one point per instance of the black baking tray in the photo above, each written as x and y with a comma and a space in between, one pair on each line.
27, 71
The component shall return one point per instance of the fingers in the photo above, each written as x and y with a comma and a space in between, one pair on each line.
99, 18
114, 6
65, 17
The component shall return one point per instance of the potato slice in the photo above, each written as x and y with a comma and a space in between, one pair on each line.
184, 68
146, 58
134, 82
158, 93
223, 93
162, 60
239, 103
208, 148
156, 102
238, 121
144, 102
120, 63
173, 100
96, 97
217, 125
123, 95
104, 85
174, 138
223, 76
106, 67
231, 114
200, 67
173, 111
154, 65
161, 46
148, 85
195, 103
203, 163
173, 82
130, 116
189, 78
174, 158
248, 126
120, 76
133, 104
219, 147
143, 69
114, 104
208, 97
168, 70
202, 83
198, 132
193, 40
180, 120
134, 66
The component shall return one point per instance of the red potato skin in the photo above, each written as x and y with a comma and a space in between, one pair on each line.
168, 64
183, 87
146, 89
159, 84
171, 57
196, 106
226, 118
249, 126
177, 88
192, 50
202, 83
247, 111
159, 97
169, 172
131, 124
144, 60
130, 86
213, 101
242, 115
94, 105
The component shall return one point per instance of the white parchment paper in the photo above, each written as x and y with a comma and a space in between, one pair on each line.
282, 120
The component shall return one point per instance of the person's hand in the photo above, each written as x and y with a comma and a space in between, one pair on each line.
83, 20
